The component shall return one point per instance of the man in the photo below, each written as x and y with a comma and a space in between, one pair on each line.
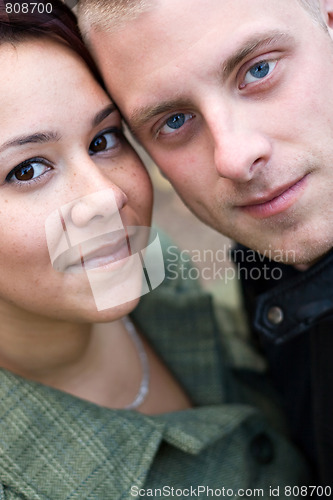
233, 100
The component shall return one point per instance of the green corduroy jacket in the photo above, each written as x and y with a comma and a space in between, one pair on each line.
55, 446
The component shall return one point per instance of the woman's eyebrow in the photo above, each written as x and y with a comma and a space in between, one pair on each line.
35, 138
50, 136
101, 115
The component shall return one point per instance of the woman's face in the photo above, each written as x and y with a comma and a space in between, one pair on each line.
61, 152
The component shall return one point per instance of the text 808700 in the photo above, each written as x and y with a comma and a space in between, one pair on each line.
28, 8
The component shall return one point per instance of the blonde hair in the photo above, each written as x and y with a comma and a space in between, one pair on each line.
313, 7
106, 15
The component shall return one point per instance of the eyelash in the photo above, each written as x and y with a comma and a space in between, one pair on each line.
9, 178
272, 58
178, 131
117, 131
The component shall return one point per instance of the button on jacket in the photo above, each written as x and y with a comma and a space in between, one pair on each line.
55, 446
292, 319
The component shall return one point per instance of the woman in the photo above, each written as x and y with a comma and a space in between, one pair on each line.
71, 369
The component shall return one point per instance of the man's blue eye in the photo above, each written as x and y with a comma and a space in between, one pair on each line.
176, 121
259, 71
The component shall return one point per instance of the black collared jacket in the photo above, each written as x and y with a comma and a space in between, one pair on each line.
292, 317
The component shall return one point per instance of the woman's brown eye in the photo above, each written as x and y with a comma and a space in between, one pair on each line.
99, 144
106, 141
25, 173
28, 171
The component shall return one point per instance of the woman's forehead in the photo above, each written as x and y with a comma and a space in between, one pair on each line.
46, 84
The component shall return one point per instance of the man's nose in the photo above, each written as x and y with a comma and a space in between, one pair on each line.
240, 151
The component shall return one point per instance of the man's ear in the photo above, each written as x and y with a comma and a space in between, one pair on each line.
327, 11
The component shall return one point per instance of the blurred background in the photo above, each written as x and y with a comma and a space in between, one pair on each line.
205, 246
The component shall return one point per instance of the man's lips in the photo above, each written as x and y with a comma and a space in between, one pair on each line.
258, 200
276, 201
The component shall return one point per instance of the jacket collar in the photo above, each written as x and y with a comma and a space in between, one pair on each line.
54, 445
297, 303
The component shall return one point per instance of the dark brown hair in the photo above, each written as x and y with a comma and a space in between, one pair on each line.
59, 24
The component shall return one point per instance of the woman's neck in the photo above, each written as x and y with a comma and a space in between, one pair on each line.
95, 362
99, 363
34, 346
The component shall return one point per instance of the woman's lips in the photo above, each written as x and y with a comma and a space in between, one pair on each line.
105, 256
276, 202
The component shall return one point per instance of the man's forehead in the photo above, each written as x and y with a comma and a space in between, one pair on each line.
138, 9
117, 15
147, 64
153, 42
171, 21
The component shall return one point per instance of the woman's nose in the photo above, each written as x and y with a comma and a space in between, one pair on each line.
94, 215
98, 207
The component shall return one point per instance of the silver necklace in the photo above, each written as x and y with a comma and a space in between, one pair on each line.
144, 386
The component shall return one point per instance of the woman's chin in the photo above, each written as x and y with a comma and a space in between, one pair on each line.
86, 312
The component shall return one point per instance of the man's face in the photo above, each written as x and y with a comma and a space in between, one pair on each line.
234, 102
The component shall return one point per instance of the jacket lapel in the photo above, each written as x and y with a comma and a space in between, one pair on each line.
55, 446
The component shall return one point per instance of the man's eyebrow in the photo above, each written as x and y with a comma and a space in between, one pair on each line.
252, 44
142, 115
101, 115
36, 138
